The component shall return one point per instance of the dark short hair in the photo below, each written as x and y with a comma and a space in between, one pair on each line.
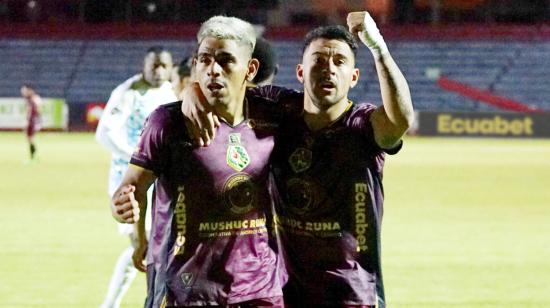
264, 52
331, 33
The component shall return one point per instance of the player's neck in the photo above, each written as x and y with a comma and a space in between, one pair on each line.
232, 112
318, 117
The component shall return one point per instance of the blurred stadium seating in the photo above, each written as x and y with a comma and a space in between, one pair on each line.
82, 70
80, 50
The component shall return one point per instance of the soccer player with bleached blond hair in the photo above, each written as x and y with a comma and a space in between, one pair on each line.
212, 241
228, 28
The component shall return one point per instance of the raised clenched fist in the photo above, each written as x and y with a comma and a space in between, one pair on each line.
362, 24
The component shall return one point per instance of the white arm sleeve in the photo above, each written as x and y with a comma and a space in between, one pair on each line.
110, 130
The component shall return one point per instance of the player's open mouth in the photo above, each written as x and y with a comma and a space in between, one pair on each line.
214, 86
328, 85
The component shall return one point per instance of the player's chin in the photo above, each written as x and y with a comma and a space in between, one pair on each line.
325, 93
326, 99
212, 100
217, 99
217, 93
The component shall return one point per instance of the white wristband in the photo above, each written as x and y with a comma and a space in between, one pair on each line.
372, 38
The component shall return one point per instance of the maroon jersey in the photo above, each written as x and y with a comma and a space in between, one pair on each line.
33, 114
211, 238
329, 206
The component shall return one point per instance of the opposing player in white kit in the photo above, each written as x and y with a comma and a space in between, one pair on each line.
118, 130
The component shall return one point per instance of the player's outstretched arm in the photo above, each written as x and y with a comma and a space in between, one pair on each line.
391, 120
201, 118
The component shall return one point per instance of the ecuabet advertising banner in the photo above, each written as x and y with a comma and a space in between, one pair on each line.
484, 124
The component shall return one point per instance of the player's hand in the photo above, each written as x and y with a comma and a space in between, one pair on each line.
139, 255
362, 24
202, 122
124, 207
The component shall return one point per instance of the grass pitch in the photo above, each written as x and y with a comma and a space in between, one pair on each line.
59, 241
466, 224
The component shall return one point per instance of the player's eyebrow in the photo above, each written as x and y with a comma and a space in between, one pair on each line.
340, 56
225, 55
320, 53
215, 53
334, 54
205, 50
204, 53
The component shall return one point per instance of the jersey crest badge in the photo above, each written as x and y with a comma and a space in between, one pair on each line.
300, 160
186, 279
237, 157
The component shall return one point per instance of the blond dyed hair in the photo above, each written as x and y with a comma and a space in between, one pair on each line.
228, 28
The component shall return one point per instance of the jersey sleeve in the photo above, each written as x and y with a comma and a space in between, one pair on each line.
270, 92
290, 101
150, 149
361, 119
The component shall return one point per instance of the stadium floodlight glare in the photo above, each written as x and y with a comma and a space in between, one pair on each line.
151, 7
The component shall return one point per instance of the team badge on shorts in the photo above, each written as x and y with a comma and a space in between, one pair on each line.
237, 156
300, 160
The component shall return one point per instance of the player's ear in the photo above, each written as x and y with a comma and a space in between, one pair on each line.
354, 77
253, 66
300, 73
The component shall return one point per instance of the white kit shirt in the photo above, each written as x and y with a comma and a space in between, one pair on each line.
123, 118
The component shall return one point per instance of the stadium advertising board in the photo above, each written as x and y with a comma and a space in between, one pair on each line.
484, 124
93, 113
84, 116
13, 113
